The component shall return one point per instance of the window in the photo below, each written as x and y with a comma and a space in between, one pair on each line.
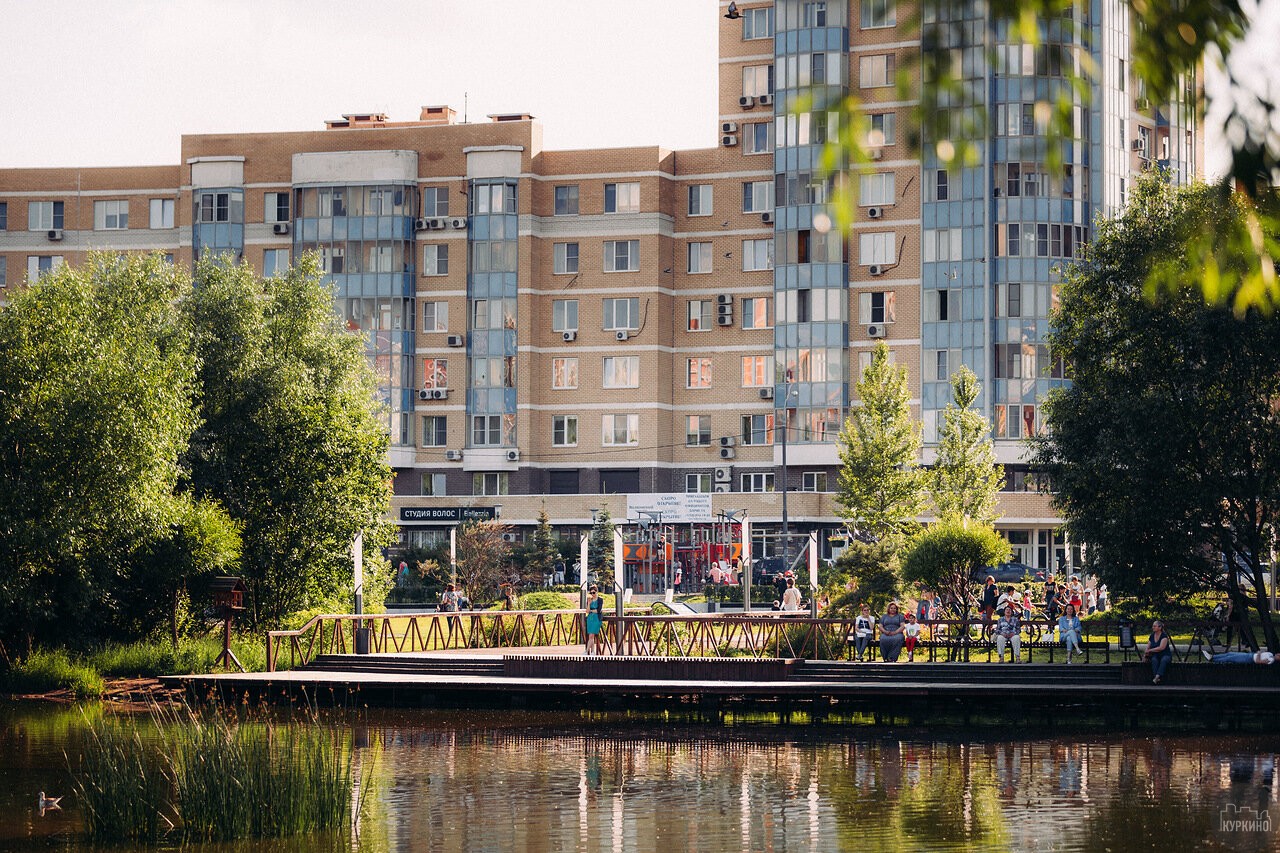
757, 80
621, 371
333, 258
942, 305
876, 189
697, 430
216, 207
493, 372
697, 482
567, 200
161, 213
881, 131
622, 198
942, 244
38, 265
435, 316
757, 196
700, 200
757, 429
813, 481
4, 216
435, 201
486, 430
44, 215
275, 262
564, 315
876, 70
755, 313
435, 431
757, 371
489, 483
435, 373
563, 482
698, 372
757, 255
110, 215
760, 482
564, 373
877, 248
942, 365
815, 14
621, 255
275, 207
699, 315
699, 257
878, 13
564, 258
4, 271
564, 430
433, 484
493, 198
621, 314
435, 259
757, 23
878, 307
757, 137
619, 430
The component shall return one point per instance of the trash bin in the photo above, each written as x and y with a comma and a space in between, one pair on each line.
362, 641
711, 605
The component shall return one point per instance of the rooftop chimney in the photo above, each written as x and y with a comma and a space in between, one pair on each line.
440, 114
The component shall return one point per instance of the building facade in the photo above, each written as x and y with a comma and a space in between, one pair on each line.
581, 330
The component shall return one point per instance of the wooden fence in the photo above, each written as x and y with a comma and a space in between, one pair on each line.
756, 635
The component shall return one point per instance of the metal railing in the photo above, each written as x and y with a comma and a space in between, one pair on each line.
639, 633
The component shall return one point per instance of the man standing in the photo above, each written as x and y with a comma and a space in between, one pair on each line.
989, 595
1050, 598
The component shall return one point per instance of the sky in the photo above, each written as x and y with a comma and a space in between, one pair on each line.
118, 82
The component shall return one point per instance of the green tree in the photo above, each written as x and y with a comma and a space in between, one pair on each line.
874, 569
1164, 452
880, 487
944, 556
484, 559
95, 390
543, 554
600, 548
293, 443
965, 480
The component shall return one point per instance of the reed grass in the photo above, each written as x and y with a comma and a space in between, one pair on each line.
45, 670
186, 776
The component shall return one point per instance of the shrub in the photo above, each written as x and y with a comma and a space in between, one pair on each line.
547, 601
43, 671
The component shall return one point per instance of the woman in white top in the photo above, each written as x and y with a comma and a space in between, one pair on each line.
791, 598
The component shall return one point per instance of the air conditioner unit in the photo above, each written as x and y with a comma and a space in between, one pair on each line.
724, 299
569, 336
728, 127
727, 453
621, 335
424, 393
722, 488
875, 212
728, 440
439, 393
746, 102
995, 192
875, 154
729, 140
280, 228
509, 537
513, 455
1143, 103
723, 474
766, 393
55, 234
458, 222
765, 100
1137, 145
875, 331
453, 455
724, 320
455, 340
437, 223
421, 224
767, 217
876, 269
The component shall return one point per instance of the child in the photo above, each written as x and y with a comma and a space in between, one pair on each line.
910, 631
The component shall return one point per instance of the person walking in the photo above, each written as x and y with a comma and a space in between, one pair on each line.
595, 619
864, 628
1007, 634
1069, 630
1159, 651
891, 636
1050, 599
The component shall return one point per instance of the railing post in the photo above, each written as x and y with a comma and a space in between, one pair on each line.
271, 654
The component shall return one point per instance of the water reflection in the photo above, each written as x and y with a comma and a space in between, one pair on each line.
542, 782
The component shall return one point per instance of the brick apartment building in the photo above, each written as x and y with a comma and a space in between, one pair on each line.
619, 328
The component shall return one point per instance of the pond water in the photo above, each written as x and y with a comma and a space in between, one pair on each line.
464, 780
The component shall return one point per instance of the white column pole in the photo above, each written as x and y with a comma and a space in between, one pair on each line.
745, 580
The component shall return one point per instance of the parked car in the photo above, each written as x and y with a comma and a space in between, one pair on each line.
1009, 573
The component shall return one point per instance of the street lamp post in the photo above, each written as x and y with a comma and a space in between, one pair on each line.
786, 423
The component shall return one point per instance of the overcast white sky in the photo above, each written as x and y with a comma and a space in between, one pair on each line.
117, 82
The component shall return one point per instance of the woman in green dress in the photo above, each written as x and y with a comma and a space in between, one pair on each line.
595, 619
